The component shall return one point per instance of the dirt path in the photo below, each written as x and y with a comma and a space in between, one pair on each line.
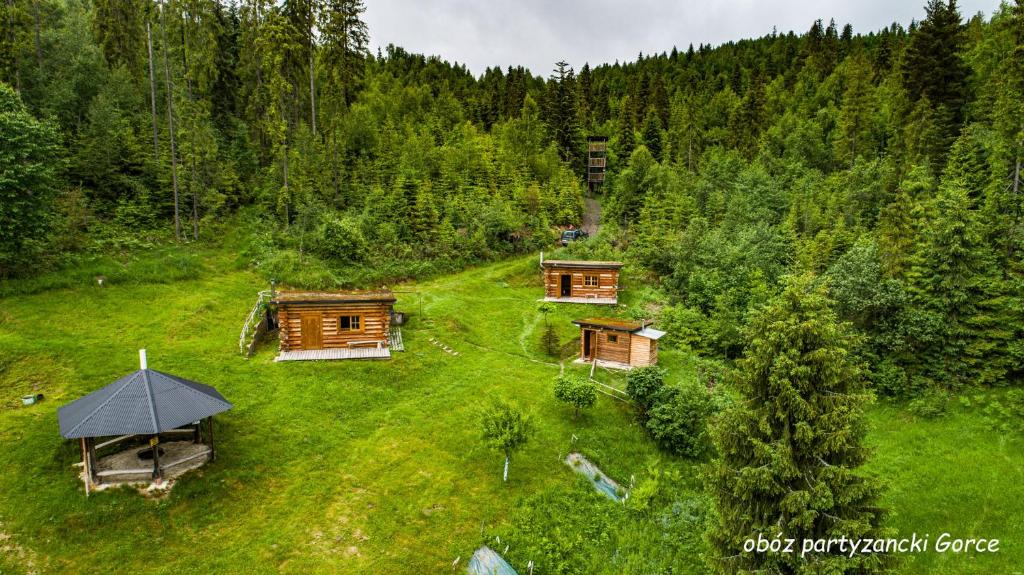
591, 216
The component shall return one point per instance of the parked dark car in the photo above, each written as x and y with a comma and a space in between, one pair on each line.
572, 236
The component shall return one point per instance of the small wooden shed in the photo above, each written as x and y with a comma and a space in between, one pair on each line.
581, 281
618, 343
334, 325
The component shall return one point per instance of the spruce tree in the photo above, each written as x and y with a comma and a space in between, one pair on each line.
934, 68
626, 140
790, 454
957, 283
561, 114
652, 135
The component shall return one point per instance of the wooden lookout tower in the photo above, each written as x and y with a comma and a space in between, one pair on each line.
597, 161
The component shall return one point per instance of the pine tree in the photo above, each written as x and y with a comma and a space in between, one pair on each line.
561, 115
118, 27
956, 281
652, 135
933, 66
791, 453
857, 112
345, 37
626, 140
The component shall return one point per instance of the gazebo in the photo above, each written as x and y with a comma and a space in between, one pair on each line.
143, 405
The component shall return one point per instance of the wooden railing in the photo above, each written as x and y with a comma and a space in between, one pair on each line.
252, 321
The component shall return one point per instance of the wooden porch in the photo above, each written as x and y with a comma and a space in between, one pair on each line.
604, 363
593, 300
335, 353
359, 350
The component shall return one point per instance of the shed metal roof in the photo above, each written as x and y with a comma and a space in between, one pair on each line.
377, 296
650, 333
142, 403
581, 264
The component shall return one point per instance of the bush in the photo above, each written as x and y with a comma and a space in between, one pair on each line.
931, 404
678, 419
1007, 415
341, 239
642, 384
576, 391
890, 379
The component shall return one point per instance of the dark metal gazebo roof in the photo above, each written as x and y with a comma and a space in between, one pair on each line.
142, 403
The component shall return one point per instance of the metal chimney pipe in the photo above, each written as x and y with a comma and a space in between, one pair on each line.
142, 359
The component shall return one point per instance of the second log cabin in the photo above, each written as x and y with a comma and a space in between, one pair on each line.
581, 281
334, 325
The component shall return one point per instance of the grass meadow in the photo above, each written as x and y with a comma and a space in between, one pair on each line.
376, 466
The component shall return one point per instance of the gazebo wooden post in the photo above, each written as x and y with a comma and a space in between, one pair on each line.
90, 443
197, 434
157, 472
213, 452
85, 464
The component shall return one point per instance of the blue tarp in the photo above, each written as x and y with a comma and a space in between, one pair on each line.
602, 482
487, 562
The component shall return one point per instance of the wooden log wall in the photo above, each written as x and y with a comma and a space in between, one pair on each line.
607, 350
375, 323
608, 282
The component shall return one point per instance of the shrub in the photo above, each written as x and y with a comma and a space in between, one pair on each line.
341, 239
678, 419
890, 379
576, 391
550, 341
931, 404
642, 384
1007, 415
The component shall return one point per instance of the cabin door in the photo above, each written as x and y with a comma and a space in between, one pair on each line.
566, 285
588, 344
312, 332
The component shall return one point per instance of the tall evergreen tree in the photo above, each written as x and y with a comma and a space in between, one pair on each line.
118, 27
791, 452
652, 135
560, 114
933, 66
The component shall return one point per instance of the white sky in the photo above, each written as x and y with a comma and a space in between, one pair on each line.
537, 33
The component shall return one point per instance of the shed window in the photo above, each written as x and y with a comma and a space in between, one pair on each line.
592, 281
613, 339
350, 323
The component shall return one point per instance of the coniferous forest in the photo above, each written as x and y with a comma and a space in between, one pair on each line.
857, 190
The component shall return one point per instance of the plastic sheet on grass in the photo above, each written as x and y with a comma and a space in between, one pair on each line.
602, 482
487, 562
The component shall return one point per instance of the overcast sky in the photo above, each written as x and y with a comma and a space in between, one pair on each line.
537, 33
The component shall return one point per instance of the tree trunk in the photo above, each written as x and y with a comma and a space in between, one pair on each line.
152, 92
39, 44
170, 123
505, 476
192, 188
334, 163
312, 88
14, 49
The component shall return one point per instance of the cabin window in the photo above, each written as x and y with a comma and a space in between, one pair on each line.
613, 339
350, 323
591, 281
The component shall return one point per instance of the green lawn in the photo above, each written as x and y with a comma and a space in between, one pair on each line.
952, 475
376, 467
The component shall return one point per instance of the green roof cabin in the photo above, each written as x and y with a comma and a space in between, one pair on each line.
617, 343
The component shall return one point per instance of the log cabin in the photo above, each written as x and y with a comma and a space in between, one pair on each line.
334, 325
618, 343
581, 281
